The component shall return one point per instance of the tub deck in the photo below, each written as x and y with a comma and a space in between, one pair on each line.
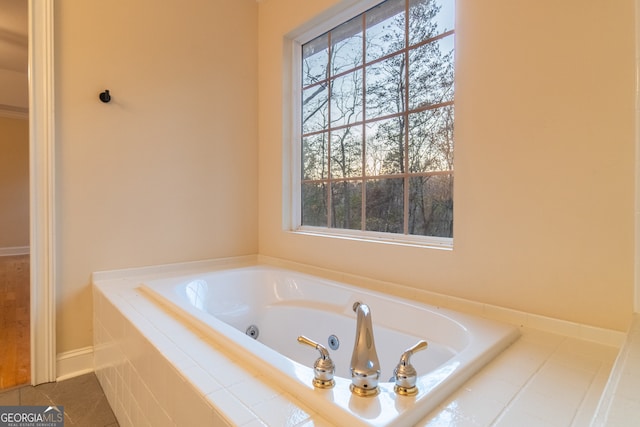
553, 375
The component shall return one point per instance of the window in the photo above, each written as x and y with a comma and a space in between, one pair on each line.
376, 122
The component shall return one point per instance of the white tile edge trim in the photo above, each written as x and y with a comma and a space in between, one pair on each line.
16, 250
74, 363
174, 268
626, 362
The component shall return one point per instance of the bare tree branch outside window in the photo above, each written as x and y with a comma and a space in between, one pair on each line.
377, 121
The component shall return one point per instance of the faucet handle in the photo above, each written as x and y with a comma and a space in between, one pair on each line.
405, 374
323, 368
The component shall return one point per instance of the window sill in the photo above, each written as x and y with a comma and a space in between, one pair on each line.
441, 243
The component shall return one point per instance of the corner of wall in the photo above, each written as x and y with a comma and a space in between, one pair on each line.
636, 302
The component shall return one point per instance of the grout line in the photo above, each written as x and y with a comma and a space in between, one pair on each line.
586, 396
526, 384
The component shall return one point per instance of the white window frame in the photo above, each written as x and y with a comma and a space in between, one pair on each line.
292, 151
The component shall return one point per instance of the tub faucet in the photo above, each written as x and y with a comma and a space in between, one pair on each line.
405, 374
324, 368
365, 367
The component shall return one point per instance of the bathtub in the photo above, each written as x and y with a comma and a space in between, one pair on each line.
258, 312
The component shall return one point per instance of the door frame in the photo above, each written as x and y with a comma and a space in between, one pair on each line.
42, 189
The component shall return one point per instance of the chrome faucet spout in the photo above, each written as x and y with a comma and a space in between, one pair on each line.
365, 367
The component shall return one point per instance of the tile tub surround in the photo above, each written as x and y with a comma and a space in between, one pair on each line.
620, 403
543, 379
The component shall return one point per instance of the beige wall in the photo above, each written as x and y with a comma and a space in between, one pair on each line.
14, 182
15, 89
167, 171
544, 190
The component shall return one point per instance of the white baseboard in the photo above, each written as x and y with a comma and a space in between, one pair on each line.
74, 363
16, 250
13, 112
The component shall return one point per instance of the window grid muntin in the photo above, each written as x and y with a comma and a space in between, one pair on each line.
406, 175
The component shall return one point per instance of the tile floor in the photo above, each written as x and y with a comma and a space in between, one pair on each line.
85, 405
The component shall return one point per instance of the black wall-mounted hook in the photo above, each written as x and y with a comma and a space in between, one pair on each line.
105, 97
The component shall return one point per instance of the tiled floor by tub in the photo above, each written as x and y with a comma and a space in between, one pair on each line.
542, 380
85, 405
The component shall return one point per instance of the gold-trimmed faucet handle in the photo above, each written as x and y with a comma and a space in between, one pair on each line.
405, 374
323, 368
420, 345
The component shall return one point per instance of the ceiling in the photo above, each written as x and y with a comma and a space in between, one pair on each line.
13, 35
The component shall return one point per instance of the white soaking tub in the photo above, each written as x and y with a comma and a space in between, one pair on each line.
258, 312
